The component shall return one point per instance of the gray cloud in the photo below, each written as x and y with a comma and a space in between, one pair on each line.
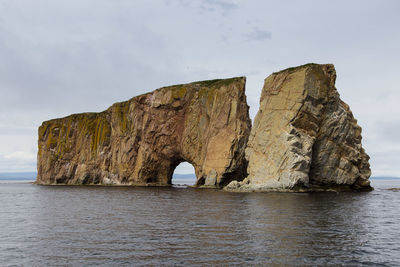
208, 5
49, 71
213, 4
16, 131
389, 129
258, 35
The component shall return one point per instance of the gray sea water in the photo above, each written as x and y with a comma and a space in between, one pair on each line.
93, 225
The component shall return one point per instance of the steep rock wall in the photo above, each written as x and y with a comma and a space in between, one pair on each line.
141, 141
304, 137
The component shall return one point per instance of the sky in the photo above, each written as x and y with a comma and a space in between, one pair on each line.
59, 57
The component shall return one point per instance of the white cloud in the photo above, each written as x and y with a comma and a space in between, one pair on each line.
184, 168
18, 161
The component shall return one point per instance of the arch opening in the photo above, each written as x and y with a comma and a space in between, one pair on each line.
184, 175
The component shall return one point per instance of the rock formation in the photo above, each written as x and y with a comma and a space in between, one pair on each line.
141, 141
304, 137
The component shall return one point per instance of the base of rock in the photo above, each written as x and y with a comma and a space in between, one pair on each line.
41, 183
104, 184
235, 186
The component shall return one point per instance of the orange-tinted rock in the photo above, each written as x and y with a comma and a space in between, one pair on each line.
141, 141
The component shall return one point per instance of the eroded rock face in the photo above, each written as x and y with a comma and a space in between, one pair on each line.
141, 141
304, 137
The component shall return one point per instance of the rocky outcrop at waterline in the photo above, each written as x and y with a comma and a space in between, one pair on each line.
303, 138
141, 141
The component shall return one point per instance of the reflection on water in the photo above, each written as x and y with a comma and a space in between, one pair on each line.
86, 225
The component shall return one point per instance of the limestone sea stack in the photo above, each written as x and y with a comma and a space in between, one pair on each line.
141, 141
304, 137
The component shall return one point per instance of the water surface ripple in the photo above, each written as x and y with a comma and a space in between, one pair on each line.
83, 225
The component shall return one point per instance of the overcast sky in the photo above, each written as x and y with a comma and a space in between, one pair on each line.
59, 57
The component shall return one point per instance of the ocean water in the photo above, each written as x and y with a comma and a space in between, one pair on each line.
95, 225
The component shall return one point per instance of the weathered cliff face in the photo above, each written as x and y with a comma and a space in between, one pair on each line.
141, 141
304, 137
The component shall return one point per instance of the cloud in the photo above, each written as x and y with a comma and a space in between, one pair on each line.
18, 161
184, 168
21, 156
71, 56
258, 35
15, 131
385, 161
218, 4
389, 129
55, 62
208, 5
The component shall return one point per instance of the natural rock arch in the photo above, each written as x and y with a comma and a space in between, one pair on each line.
303, 137
141, 141
184, 174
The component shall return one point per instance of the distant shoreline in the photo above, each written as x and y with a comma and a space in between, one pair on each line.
18, 175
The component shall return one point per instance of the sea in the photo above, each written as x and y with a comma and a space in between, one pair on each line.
184, 226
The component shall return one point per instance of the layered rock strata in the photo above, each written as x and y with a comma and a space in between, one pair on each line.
141, 141
304, 137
